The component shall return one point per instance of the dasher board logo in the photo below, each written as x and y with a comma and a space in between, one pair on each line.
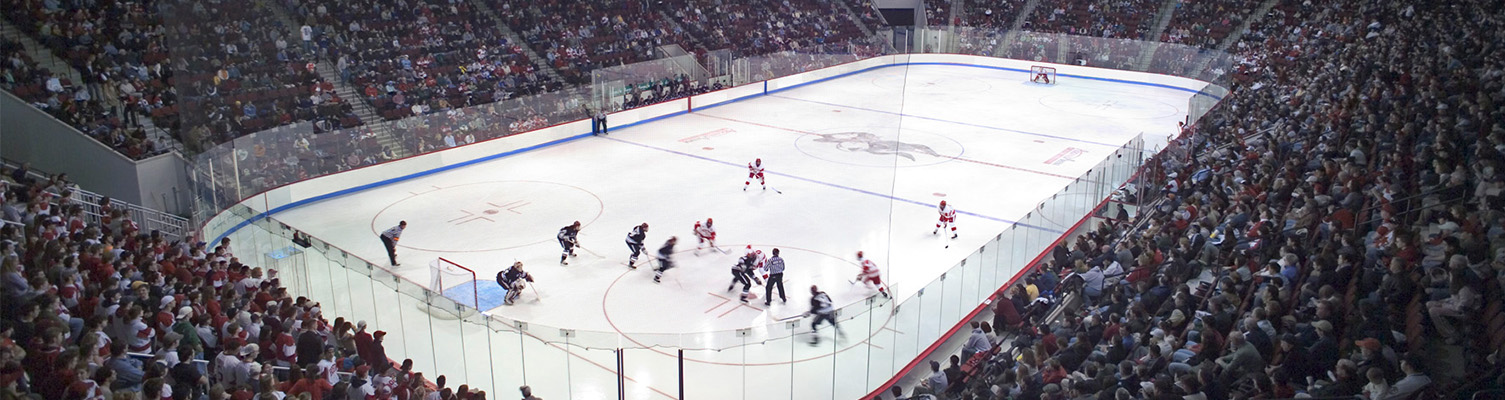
1066, 155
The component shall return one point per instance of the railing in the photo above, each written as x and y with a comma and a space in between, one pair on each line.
500, 353
172, 226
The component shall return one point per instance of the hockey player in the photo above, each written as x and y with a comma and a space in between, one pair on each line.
870, 274
741, 272
824, 310
706, 235
513, 281
755, 171
948, 219
664, 260
567, 241
635, 243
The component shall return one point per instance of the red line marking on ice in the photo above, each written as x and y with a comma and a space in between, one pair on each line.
1067, 154
707, 135
467, 215
734, 308
979, 162
718, 305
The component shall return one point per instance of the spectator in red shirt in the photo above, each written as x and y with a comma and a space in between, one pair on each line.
311, 384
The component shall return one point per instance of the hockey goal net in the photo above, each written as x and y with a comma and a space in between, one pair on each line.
453, 289
1042, 75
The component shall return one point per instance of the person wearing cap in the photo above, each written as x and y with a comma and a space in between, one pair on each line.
363, 340
389, 240
1372, 353
1325, 350
1295, 360
378, 356
183, 326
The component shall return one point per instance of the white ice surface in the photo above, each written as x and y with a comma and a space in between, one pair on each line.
989, 137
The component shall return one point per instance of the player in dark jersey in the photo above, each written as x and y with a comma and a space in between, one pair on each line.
567, 241
635, 243
514, 280
664, 260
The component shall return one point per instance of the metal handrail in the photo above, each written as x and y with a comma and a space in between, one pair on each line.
172, 226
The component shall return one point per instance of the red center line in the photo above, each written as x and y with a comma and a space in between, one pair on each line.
979, 162
718, 305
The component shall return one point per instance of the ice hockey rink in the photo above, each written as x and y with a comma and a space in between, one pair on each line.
853, 163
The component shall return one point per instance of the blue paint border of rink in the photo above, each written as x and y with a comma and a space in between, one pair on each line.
419, 174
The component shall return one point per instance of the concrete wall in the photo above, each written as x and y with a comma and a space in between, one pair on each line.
31, 136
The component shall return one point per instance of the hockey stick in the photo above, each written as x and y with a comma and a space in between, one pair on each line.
537, 298
790, 318
775, 190
577, 244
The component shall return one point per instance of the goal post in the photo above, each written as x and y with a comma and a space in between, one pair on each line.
1042, 75
457, 285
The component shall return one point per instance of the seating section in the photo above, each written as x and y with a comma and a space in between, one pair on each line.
125, 64
1205, 23
1337, 215
577, 37
1127, 19
991, 15
409, 58
1293, 240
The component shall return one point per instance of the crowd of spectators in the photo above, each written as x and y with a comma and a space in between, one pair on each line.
415, 59
98, 309
577, 37
1328, 230
1205, 23
117, 48
241, 73
1124, 19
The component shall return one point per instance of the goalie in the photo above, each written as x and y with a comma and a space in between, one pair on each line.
513, 281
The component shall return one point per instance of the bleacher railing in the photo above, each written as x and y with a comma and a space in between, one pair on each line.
498, 354
173, 227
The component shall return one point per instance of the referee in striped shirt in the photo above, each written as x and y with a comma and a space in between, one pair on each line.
389, 239
775, 267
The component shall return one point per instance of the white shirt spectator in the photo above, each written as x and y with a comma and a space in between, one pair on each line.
54, 85
307, 32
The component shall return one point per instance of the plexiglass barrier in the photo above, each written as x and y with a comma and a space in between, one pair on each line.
773, 361
239, 182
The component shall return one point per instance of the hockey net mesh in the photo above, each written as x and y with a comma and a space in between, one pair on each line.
454, 290
1042, 75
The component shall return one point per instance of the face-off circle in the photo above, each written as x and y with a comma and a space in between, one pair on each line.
488, 216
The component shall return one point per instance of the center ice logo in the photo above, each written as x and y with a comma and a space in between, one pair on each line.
873, 144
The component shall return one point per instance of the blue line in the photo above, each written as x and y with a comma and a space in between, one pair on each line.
953, 122
833, 185
350, 190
